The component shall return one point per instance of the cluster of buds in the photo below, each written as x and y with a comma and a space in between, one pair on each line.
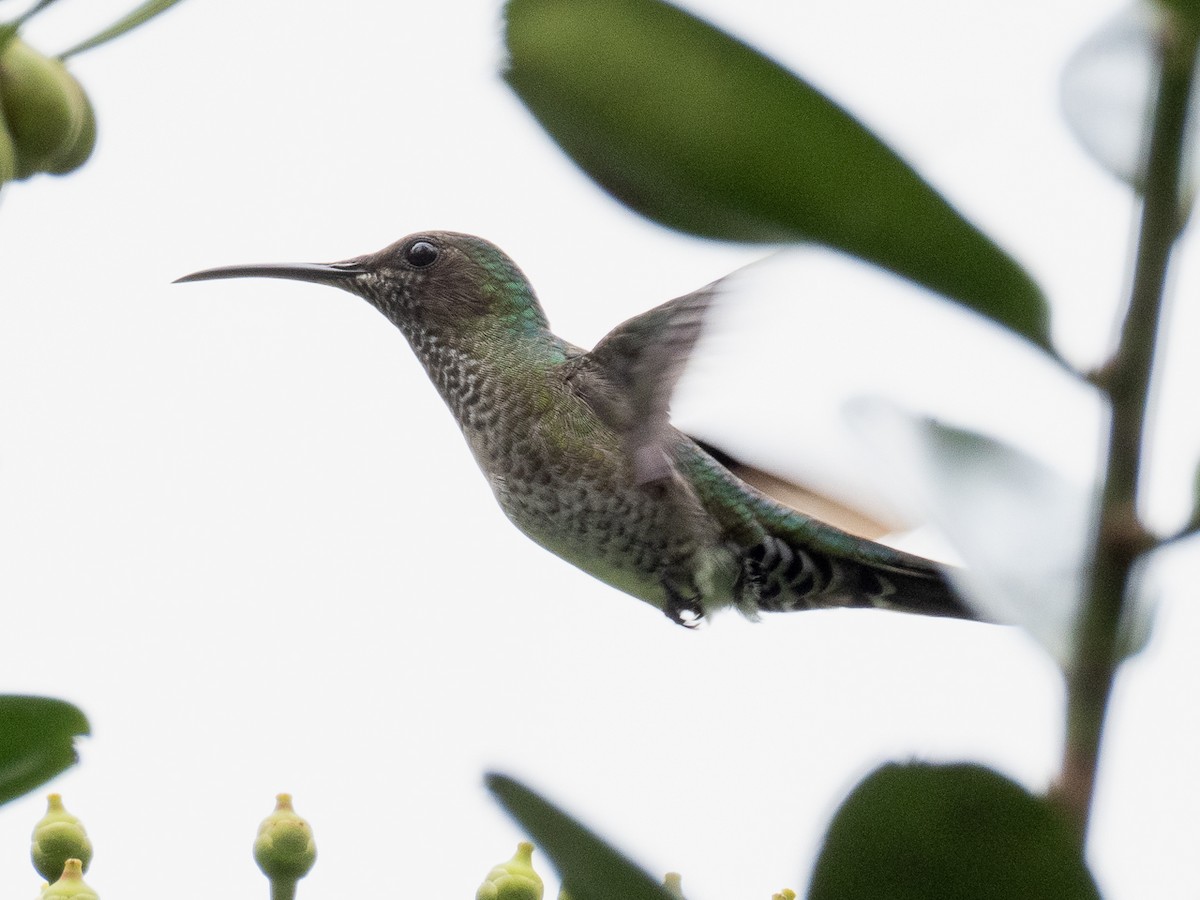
61, 851
284, 850
46, 121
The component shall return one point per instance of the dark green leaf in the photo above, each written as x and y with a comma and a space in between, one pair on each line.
37, 741
128, 22
699, 132
590, 869
925, 832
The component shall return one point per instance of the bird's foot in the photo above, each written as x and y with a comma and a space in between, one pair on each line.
683, 609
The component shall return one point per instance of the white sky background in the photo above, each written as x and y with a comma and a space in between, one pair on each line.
241, 531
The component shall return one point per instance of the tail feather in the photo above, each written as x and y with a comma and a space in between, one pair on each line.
779, 575
928, 593
791, 561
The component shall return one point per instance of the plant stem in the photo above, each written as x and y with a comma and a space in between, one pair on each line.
283, 889
1120, 537
143, 13
31, 12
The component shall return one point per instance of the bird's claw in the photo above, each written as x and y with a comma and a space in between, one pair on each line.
681, 610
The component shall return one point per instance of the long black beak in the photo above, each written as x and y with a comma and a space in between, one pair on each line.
335, 274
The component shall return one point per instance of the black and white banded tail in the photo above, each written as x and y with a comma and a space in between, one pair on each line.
778, 576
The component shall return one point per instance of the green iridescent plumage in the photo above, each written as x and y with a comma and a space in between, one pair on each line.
580, 453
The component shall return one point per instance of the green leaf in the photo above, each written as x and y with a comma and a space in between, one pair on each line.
701, 133
590, 869
37, 741
128, 22
925, 832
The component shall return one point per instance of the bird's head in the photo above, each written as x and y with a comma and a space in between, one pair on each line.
431, 279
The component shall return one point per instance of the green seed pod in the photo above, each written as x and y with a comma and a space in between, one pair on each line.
513, 880
71, 885
785, 894
44, 112
58, 837
81, 149
284, 848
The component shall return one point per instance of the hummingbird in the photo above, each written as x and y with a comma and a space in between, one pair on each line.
579, 451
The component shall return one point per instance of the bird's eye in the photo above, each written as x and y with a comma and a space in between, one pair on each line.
421, 254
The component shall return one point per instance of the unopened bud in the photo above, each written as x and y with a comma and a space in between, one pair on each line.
513, 880
59, 836
74, 154
71, 885
43, 106
785, 894
284, 848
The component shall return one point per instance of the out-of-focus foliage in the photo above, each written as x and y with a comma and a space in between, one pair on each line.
1021, 529
924, 832
37, 741
699, 132
590, 869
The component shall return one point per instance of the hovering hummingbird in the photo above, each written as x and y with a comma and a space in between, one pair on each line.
579, 451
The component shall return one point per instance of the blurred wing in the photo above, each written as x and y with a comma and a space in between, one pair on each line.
628, 378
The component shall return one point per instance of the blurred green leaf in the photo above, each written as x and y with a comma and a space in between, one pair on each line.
701, 133
1023, 531
958, 832
128, 22
1109, 85
1107, 90
589, 868
37, 741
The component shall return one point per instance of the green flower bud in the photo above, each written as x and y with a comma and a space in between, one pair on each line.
673, 882
44, 111
513, 880
80, 150
284, 848
58, 837
785, 894
71, 885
